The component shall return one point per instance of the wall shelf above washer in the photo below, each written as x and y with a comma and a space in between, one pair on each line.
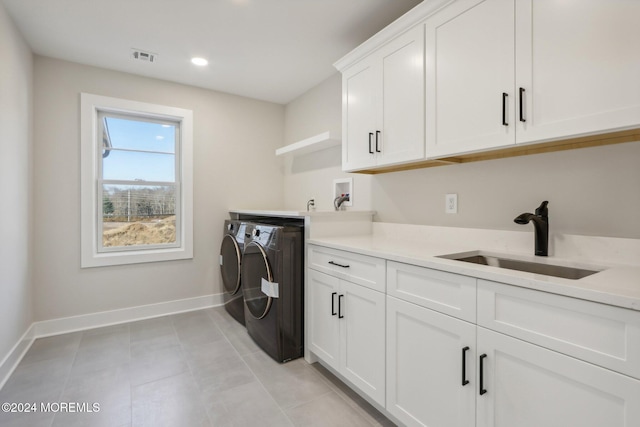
315, 143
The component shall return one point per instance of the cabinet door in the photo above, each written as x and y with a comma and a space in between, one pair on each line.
323, 325
470, 65
579, 65
530, 386
362, 329
361, 88
425, 371
400, 136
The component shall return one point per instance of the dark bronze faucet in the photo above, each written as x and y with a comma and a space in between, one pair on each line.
541, 225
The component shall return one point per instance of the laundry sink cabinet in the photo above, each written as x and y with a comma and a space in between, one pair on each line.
430, 366
458, 351
530, 386
430, 355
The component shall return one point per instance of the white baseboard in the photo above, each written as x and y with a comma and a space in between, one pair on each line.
107, 318
82, 322
15, 355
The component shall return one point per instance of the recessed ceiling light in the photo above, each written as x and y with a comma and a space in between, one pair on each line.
199, 61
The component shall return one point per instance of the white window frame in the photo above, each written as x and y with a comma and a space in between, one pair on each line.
92, 253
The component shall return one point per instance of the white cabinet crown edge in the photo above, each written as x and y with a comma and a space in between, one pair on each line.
401, 25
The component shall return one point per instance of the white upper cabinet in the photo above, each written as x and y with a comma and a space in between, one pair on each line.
579, 63
502, 72
359, 86
383, 105
402, 113
470, 65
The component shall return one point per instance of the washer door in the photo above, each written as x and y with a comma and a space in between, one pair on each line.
255, 267
230, 264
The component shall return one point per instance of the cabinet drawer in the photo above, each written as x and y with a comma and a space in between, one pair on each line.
361, 269
447, 293
604, 335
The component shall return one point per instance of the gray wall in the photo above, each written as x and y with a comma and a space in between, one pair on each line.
234, 143
311, 176
591, 191
16, 184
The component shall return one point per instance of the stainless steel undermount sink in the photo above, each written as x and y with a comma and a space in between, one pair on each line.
565, 272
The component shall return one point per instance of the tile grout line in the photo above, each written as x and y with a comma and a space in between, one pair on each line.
267, 391
130, 384
193, 377
256, 376
345, 397
332, 388
66, 382
217, 319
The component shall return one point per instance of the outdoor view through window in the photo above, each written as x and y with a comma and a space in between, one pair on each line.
139, 186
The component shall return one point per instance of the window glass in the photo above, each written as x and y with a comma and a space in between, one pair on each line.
138, 154
138, 166
138, 215
133, 134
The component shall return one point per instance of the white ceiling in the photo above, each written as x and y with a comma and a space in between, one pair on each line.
273, 50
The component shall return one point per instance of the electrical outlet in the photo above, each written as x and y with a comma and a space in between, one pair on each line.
451, 203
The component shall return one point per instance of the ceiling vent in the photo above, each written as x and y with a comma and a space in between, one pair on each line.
143, 56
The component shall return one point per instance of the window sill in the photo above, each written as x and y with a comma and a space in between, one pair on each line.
134, 257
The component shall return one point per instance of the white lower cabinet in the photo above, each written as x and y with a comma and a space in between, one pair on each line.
324, 329
530, 386
438, 349
431, 358
347, 324
510, 379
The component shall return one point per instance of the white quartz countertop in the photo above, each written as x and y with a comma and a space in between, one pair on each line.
617, 284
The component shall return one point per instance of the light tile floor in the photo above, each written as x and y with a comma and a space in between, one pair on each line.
191, 369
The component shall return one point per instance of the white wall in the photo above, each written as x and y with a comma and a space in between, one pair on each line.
16, 184
311, 176
234, 143
591, 191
